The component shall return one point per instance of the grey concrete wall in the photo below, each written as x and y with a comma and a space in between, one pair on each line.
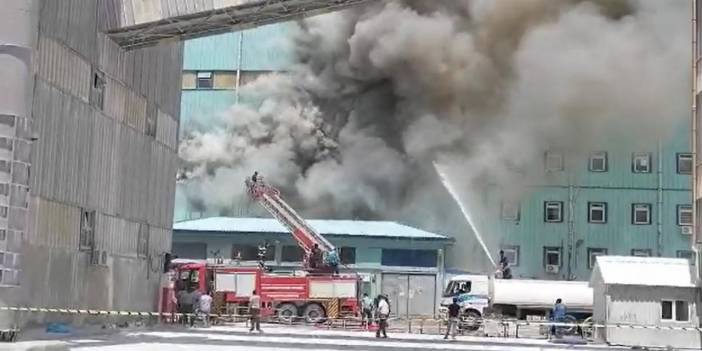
117, 158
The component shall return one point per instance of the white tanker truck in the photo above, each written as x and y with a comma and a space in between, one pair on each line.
482, 296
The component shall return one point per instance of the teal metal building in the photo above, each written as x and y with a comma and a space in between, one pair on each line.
621, 199
403, 262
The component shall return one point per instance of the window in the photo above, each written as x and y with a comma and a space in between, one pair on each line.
87, 230
7, 120
675, 310
510, 210
685, 254
641, 252
641, 213
292, 254
458, 287
97, 90
6, 143
151, 121
3, 211
5, 166
512, 255
641, 162
143, 241
3, 234
592, 253
4, 189
597, 212
408, 258
553, 211
554, 161
204, 80
552, 256
685, 163
347, 255
684, 215
598, 161
250, 253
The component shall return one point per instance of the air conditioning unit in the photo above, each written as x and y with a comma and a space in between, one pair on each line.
687, 230
552, 268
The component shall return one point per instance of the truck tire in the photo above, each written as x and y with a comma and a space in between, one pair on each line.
470, 320
287, 312
314, 313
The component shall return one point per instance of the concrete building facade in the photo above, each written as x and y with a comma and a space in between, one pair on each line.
401, 261
88, 156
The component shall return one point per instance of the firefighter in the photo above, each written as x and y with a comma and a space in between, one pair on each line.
254, 177
262, 251
315, 257
504, 266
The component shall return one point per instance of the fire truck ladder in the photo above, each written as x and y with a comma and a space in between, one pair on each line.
269, 198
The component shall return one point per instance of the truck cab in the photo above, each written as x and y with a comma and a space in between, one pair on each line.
472, 292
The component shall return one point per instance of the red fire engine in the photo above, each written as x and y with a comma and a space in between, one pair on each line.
314, 294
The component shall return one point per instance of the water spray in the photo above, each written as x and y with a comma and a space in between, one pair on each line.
447, 184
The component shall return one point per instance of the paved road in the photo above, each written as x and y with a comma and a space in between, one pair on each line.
294, 339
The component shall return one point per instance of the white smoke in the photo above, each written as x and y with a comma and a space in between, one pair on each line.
381, 92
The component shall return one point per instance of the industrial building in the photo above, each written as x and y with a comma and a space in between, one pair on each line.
87, 161
664, 295
404, 262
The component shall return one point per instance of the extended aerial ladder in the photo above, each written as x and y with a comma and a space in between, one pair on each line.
307, 238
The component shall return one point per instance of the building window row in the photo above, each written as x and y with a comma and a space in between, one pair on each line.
226, 80
599, 162
552, 256
641, 213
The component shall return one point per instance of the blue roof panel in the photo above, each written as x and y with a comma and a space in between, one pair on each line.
324, 227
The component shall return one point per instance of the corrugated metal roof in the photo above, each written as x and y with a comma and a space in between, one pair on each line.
325, 227
647, 271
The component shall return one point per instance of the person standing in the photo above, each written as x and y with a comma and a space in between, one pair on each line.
366, 311
204, 308
383, 314
504, 266
255, 312
558, 314
453, 312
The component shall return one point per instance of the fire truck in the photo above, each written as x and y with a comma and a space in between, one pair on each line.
313, 294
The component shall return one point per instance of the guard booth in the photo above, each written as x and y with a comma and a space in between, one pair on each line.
647, 291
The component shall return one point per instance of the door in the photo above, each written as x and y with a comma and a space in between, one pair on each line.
410, 294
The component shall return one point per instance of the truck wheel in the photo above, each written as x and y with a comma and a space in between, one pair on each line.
470, 320
314, 313
287, 312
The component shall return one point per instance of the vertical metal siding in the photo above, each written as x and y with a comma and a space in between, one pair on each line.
53, 224
167, 130
62, 68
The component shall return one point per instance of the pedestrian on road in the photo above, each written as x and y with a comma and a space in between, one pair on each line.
204, 308
367, 311
255, 312
383, 313
453, 312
